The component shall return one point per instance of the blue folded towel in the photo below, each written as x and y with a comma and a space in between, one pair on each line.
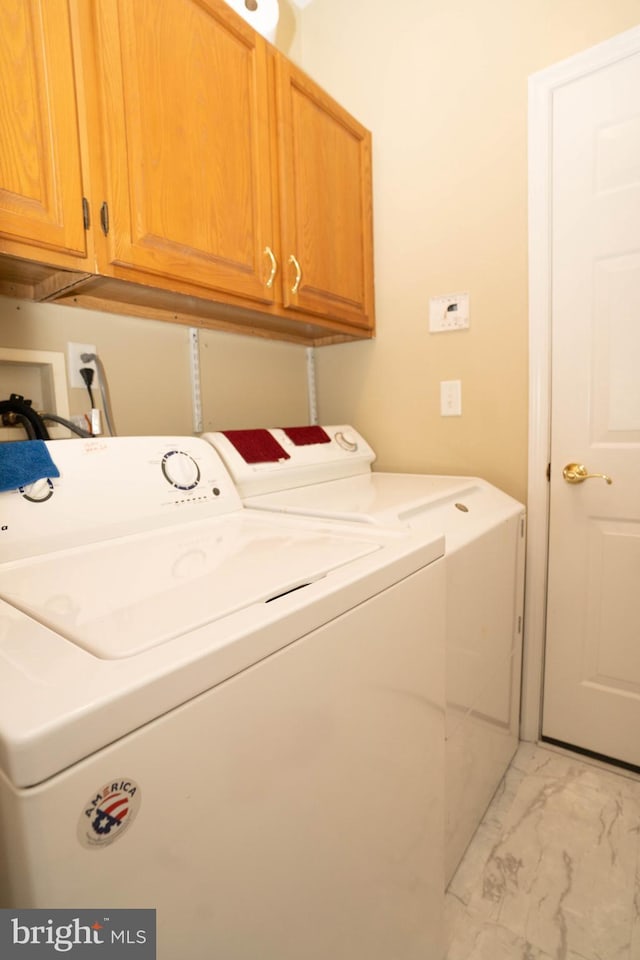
23, 462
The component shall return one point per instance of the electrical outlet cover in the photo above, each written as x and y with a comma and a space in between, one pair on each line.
75, 362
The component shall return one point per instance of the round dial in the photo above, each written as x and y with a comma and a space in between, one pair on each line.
181, 470
346, 442
38, 492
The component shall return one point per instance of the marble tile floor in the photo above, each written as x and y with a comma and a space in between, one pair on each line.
553, 871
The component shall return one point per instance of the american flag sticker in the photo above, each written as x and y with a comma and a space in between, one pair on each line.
109, 812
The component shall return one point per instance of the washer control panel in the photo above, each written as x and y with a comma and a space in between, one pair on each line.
114, 486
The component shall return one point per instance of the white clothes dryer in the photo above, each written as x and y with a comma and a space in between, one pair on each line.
326, 472
218, 713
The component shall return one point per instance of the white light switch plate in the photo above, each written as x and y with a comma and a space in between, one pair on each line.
451, 398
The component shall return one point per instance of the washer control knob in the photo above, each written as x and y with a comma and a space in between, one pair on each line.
180, 470
37, 492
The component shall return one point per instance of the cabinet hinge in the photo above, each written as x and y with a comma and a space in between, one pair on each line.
104, 218
549, 471
86, 217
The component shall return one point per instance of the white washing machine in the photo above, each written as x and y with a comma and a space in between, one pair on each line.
326, 472
218, 713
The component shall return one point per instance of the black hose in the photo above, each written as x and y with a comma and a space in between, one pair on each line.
66, 423
26, 425
18, 405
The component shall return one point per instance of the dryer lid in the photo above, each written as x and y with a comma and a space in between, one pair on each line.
460, 508
374, 498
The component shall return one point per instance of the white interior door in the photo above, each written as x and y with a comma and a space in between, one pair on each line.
592, 666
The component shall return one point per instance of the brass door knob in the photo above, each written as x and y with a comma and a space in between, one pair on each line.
578, 473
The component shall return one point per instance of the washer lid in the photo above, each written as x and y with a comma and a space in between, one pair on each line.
119, 598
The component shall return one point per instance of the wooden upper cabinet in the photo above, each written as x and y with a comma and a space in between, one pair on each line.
183, 94
40, 163
326, 202
160, 156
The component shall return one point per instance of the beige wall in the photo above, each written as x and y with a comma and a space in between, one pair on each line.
245, 382
442, 84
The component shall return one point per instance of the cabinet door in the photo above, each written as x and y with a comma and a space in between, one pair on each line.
183, 87
325, 189
40, 174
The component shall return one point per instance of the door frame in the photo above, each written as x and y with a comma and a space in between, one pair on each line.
542, 87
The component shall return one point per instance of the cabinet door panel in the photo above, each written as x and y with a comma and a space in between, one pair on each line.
184, 91
40, 174
325, 187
